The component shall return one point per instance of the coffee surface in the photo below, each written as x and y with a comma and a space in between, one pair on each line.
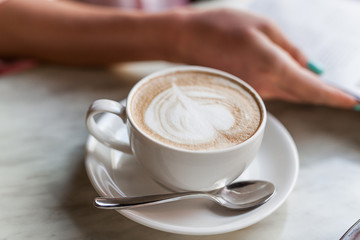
195, 111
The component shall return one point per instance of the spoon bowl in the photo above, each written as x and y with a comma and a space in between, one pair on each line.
238, 195
244, 195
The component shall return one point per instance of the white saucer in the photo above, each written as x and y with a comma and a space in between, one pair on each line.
117, 174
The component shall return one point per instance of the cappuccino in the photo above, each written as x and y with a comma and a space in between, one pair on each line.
195, 110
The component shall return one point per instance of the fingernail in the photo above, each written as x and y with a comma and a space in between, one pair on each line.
357, 108
315, 67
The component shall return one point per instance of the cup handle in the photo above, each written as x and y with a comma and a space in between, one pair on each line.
109, 106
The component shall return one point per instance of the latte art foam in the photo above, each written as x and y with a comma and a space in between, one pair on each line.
195, 110
189, 114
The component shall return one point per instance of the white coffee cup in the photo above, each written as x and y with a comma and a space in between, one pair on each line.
173, 167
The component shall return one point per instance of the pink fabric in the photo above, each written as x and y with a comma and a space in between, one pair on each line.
8, 67
147, 5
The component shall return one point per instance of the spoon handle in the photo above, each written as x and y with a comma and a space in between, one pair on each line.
130, 202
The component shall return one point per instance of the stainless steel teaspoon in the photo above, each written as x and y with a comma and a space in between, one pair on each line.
237, 195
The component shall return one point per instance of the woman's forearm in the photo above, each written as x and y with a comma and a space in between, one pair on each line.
76, 33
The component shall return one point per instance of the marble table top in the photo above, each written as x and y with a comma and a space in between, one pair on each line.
46, 194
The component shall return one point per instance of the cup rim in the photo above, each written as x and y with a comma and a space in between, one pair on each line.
187, 68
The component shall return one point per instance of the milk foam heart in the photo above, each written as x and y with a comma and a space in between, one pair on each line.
189, 114
196, 111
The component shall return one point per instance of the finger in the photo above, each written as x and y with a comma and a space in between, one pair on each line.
309, 88
280, 95
297, 81
272, 31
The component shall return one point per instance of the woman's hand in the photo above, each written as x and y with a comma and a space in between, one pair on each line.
241, 43
254, 49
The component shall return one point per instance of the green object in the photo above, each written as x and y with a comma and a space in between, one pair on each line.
357, 108
315, 67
